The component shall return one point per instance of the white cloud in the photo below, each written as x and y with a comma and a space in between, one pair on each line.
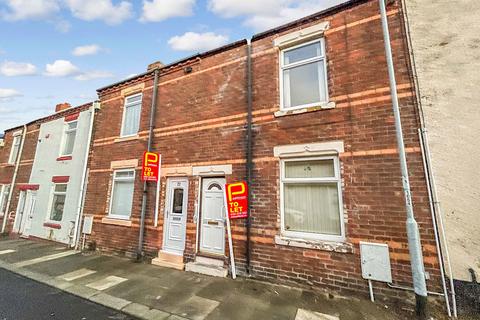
263, 15
158, 10
104, 10
61, 68
30, 9
95, 74
192, 41
13, 69
8, 93
233, 8
86, 50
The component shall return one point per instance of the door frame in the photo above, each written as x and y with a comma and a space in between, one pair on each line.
22, 198
168, 202
28, 205
200, 214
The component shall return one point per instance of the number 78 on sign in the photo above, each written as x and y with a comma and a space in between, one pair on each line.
237, 200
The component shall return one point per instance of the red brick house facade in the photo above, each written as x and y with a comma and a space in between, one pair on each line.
325, 167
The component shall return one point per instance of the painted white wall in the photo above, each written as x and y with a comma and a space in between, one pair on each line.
45, 166
446, 46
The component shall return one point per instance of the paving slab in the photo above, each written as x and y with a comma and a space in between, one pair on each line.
106, 283
82, 291
110, 301
195, 308
312, 315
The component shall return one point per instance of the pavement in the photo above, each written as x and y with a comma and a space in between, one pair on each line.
150, 292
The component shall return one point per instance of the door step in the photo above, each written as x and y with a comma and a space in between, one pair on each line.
169, 260
208, 266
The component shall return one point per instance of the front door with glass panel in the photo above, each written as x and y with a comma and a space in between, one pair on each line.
27, 210
212, 233
175, 216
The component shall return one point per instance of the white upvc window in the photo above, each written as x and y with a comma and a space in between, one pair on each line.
58, 202
121, 198
69, 134
4, 192
303, 76
311, 199
17, 139
131, 115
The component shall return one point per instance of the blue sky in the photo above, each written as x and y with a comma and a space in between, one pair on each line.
54, 51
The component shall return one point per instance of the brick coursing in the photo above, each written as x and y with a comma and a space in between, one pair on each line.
201, 120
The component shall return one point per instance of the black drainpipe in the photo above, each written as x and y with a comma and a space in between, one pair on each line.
149, 147
249, 162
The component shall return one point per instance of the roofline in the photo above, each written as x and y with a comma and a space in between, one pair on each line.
60, 113
319, 14
177, 62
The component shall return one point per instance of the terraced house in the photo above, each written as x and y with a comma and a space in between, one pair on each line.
301, 112
42, 172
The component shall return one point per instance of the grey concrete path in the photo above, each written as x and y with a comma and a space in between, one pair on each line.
151, 292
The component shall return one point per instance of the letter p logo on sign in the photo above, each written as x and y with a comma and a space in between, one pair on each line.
150, 166
237, 200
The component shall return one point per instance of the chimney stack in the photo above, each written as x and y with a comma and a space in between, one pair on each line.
154, 65
62, 106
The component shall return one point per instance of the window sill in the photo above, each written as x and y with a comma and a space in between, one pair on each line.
283, 113
127, 138
64, 158
324, 245
117, 222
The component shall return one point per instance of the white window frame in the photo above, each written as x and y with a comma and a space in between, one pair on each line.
52, 196
64, 139
114, 216
3, 188
282, 67
335, 179
125, 105
10, 158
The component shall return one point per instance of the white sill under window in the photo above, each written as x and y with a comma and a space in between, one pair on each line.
117, 220
127, 137
325, 245
305, 108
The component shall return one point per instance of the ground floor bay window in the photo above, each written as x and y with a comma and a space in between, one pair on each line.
311, 199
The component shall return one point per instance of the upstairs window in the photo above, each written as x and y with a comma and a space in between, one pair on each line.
122, 194
58, 202
303, 75
131, 115
17, 139
69, 138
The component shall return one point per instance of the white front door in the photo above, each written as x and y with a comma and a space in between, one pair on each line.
212, 233
27, 210
175, 216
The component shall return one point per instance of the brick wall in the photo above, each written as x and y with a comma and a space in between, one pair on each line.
201, 119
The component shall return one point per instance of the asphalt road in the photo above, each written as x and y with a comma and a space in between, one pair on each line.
25, 299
